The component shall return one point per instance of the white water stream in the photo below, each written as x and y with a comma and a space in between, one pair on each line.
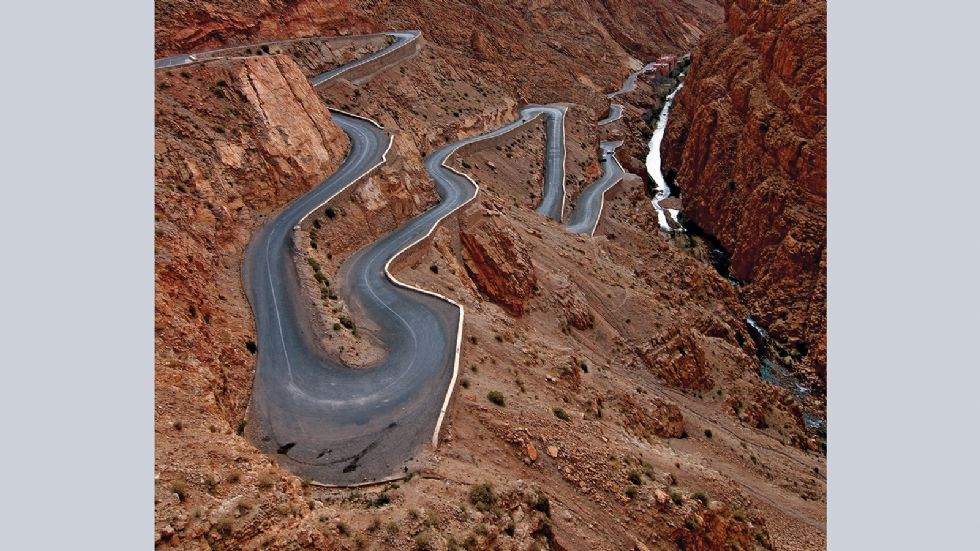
653, 166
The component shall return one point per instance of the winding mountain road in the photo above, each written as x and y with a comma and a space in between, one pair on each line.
588, 206
615, 113
343, 426
553, 195
330, 422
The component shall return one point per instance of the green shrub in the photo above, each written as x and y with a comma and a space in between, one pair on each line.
707, 432
635, 477
482, 497
632, 492
422, 543
561, 414
700, 496
496, 397
266, 480
380, 500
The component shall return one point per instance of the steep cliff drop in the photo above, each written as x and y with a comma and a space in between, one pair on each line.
747, 139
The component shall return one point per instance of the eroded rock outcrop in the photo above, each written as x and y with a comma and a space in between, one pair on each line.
747, 138
655, 417
500, 265
719, 528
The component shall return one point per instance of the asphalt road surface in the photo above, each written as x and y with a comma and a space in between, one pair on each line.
553, 196
401, 38
615, 112
588, 206
329, 422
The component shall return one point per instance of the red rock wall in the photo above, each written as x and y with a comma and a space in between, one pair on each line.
184, 26
747, 137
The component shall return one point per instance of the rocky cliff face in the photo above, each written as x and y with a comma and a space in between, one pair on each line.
500, 265
747, 138
184, 26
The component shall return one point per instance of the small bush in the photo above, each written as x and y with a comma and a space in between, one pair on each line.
700, 496
266, 481
422, 543
482, 497
210, 483
336, 327
391, 528
331, 214
676, 498
561, 414
496, 397
375, 525
234, 476
632, 492
380, 500
434, 268
635, 477
464, 382
707, 432
251, 347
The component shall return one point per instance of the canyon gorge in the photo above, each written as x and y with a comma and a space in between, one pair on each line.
608, 389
